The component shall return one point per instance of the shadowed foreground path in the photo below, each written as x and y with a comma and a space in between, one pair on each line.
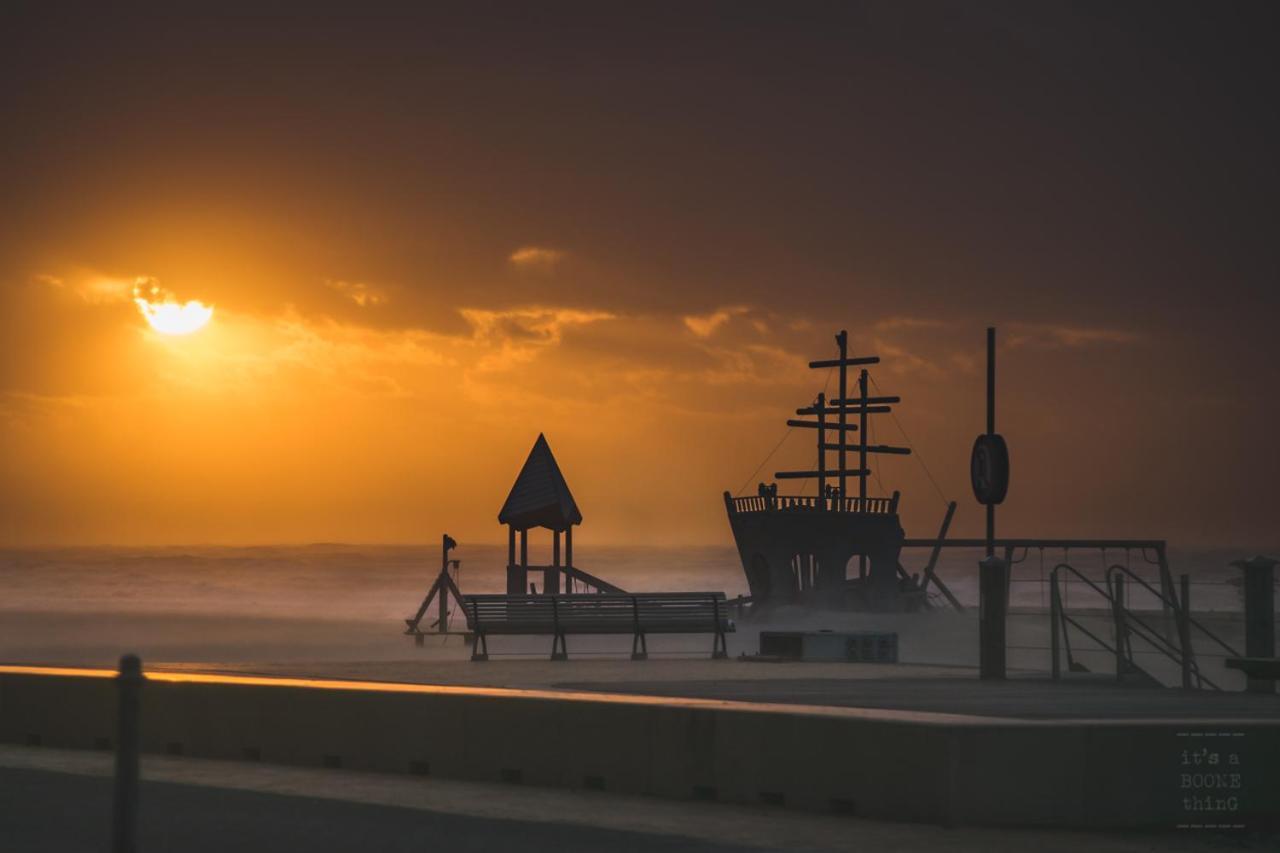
60, 801
35, 806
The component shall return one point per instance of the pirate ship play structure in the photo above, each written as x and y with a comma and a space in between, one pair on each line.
796, 547
799, 549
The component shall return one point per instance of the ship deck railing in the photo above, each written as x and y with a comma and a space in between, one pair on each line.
812, 503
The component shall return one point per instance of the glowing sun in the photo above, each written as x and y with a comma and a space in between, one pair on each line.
168, 316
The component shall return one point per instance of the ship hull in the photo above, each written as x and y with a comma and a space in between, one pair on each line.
805, 552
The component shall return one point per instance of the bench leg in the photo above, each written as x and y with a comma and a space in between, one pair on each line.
559, 650
480, 651
639, 647
719, 647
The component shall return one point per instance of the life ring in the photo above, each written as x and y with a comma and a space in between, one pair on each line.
989, 469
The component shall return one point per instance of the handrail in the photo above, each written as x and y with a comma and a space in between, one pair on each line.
1177, 606
1124, 616
1058, 614
1169, 649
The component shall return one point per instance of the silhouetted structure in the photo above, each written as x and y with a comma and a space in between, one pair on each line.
540, 497
796, 547
445, 585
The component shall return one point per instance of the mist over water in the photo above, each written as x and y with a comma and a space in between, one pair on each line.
359, 582
348, 602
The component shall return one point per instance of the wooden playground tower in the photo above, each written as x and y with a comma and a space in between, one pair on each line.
540, 497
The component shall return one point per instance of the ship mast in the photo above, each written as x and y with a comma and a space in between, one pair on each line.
842, 406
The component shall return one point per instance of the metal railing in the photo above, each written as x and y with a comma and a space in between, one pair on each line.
783, 503
1128, 624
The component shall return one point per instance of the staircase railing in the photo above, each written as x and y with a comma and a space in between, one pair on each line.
1059, 638
1182, 612
1127, 624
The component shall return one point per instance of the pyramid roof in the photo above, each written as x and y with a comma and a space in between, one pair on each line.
540, 496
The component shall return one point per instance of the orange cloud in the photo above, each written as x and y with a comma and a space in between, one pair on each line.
705, 325
361, 293
1069, 336
536, 257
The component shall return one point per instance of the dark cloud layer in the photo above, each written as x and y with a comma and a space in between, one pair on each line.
550, 209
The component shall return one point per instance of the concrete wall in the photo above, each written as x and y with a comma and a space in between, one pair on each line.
893, 765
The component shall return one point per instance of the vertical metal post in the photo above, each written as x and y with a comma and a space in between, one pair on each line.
993, 578
991, 428
125, 820
1259, 616
822, 453
1184, 629
1055, 624
1167, 592
1117, 614
992, 609
843, 340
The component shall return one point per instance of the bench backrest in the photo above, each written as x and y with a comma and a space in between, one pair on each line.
607, 613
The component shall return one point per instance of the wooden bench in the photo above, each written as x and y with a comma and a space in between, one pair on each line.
637, 614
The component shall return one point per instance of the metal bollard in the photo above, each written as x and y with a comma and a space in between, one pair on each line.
125, 821
1184, 629
1055, 627
1259, 615
993, 604
1116, 585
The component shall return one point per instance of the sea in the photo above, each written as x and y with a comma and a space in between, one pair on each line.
323, 601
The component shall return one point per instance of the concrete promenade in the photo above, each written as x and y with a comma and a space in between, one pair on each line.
900, 687
197, 805
905, 765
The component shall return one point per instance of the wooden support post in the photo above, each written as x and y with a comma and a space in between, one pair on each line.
524, 548
442, 604
125, 819
551, 576
517, 582
568, 546
843, 340
822, 453
862, 430
862, 459
1117, 612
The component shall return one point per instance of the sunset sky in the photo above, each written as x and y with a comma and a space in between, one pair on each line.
429, 235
